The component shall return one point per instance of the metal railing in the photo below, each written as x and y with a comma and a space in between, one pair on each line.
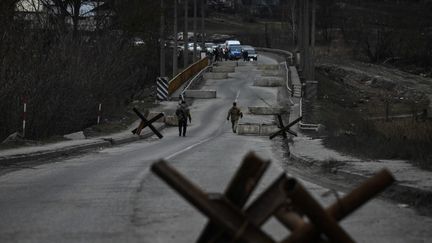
187, 74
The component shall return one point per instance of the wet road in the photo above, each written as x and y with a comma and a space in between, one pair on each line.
111, 196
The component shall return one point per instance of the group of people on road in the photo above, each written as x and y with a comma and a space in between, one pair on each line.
220, 53
183, 115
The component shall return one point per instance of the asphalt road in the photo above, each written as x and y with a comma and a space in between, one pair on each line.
111, 196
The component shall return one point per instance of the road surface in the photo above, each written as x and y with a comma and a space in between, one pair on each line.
111, 196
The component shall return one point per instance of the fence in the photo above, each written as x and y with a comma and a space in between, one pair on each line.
187, 74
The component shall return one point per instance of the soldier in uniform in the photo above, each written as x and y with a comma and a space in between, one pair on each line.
235, 115
183, 114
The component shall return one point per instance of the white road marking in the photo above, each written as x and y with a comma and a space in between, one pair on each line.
238, 94
188, 148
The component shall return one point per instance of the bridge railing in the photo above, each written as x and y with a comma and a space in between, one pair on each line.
187, 74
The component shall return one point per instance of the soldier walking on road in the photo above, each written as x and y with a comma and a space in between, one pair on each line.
235, 115
183, 114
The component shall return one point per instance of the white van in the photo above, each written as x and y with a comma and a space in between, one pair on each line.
231, 42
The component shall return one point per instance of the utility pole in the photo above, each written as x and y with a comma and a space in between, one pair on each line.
185, 35
195, 30
203, 4
162, 40
175, 58
306, 37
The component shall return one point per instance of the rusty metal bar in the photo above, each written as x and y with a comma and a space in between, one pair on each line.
264, 206
289, 218
281, 125
239, 190
147, 122
223, 215
317, 215
187, 74
346, 205
286, 128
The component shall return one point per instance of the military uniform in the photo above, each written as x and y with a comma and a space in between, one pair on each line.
183, 114
235, 115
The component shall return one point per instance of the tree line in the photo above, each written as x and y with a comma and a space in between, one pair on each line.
64, 57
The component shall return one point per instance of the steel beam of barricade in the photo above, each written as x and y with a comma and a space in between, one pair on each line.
239, 190
286, 129
281, 125
316, 214
289, 219
148, 122
221, 212
346, 205
262, 208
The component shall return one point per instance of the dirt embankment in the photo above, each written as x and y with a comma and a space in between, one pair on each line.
380, 82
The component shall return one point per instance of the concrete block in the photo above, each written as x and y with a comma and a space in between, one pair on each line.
269, 82
223, 69
268, 67
75, 136
271, 73
215, 76
248, 63
265, 110
268, 129
171, 120
248, 129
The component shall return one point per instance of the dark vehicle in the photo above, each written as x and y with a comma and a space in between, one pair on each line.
252, 54
234, 52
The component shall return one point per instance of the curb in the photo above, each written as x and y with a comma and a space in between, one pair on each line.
103, 143
415, 196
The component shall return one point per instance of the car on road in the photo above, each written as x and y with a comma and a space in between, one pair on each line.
234, 52
229, 43
210, 47
252, 54
191, 47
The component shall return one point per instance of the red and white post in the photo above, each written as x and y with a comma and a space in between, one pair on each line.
99, 113
24, 116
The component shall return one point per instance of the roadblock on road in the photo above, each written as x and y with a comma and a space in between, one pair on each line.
269, 82
265, 110
285, 199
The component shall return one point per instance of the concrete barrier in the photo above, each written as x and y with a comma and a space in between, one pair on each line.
171, 120
200, 94
223, 69
256, 129
215, 76
269, 82
268, 129
271, 73
248, 129
248, 63
265, 110
268, 67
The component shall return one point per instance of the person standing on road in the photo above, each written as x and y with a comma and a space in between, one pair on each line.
235, 115
245, 55
216, 54
183, 114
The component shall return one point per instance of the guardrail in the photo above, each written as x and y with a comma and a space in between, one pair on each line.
288, 55
187, 74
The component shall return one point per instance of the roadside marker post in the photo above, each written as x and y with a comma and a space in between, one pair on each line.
144, 123
285, 129
285, 199
24, 116
162, 85
99, 113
